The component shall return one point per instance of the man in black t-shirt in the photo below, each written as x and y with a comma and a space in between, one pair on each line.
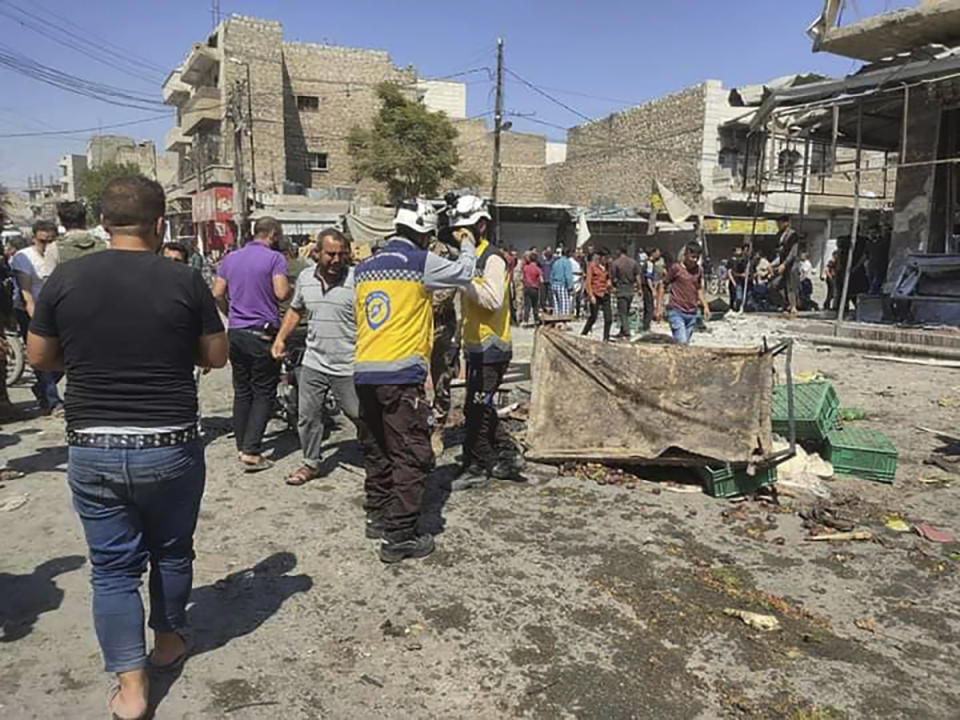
128, 327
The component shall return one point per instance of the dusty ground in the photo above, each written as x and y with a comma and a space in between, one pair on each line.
555, 599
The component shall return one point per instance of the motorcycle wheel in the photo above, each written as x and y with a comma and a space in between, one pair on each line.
16, 358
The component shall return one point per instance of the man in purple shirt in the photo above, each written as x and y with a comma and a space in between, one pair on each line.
249, 287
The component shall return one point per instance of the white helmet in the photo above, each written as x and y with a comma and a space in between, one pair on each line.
418, 215
468, 211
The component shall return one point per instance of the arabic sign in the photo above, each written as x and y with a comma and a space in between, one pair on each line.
739, 226
215, 204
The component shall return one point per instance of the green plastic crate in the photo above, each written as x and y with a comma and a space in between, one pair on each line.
868, 454
815, 409
725, 482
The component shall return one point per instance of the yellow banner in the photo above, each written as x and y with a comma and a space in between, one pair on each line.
739, 226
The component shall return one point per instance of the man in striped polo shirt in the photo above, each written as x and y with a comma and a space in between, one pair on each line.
325, 293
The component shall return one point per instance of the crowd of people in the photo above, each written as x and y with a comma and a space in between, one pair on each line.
131, 323
134, 325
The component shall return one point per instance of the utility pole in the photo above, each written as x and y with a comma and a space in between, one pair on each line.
497, 127
253, 157
239, 181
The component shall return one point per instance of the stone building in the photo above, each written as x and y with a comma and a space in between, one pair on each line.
122, 150
72, 167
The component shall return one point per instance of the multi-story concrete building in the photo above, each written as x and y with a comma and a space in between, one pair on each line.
72, 168
302, 100
295, 104
123, 150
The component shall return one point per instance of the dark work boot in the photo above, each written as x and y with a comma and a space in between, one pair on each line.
508, 467
397, 546
374, 526
472, 475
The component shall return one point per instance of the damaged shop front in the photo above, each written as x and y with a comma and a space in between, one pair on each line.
896, 121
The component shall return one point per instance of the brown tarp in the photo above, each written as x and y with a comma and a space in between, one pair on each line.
647, 402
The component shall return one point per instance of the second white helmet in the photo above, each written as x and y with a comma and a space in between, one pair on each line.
418, 215
468, 211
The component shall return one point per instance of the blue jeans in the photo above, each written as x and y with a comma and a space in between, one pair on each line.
682, 325
137, 505
45, 389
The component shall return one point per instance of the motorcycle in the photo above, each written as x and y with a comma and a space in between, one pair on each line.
16, 358
288, 389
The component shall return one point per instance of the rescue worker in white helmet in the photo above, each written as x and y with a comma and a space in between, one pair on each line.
394, 338
488, 450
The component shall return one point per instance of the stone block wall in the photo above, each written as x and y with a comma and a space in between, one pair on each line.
344, 80
257, 43
523, 159
614, 160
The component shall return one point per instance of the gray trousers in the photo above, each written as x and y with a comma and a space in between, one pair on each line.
313, 390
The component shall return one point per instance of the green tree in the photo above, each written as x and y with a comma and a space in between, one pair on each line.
409, 149
90, 185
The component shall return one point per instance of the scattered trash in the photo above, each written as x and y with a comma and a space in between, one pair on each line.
803, 471
764, 623
896, 523
808, 377
852, 413
14, 502
943, 482
826, 517
6, 475
682, 488
928, 532
841, 536
508, 410
868, 624
941, 433
945, 402
945, 464
779, 540
371, 680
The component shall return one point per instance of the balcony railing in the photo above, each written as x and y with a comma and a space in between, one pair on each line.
204, 109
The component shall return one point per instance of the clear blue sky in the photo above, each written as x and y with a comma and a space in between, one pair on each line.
627, 51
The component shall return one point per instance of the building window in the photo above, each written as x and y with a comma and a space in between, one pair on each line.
317, 161
787, 162
308, 103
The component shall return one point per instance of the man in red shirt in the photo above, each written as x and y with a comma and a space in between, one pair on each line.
532, 280
685, 280
598, 286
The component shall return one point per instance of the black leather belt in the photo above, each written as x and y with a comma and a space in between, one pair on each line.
108, 441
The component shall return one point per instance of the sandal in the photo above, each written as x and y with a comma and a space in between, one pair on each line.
259, 466
175, 664
302, 476
111, 696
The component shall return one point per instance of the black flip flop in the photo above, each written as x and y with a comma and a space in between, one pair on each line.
259, 466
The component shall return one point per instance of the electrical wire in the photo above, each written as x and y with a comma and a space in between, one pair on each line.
24, 65
120, 53
547, 95
77, 131
83, 49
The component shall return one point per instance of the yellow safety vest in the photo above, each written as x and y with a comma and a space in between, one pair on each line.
486, 333
394, 317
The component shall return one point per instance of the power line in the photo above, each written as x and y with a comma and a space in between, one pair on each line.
124, 54
23, 65
66, 39
77, 131
549, 97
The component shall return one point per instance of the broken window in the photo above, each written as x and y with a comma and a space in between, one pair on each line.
212, 41
787, 162
308, 103
316, 161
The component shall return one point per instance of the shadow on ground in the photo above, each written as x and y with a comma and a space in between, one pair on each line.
234, 606
23, 598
